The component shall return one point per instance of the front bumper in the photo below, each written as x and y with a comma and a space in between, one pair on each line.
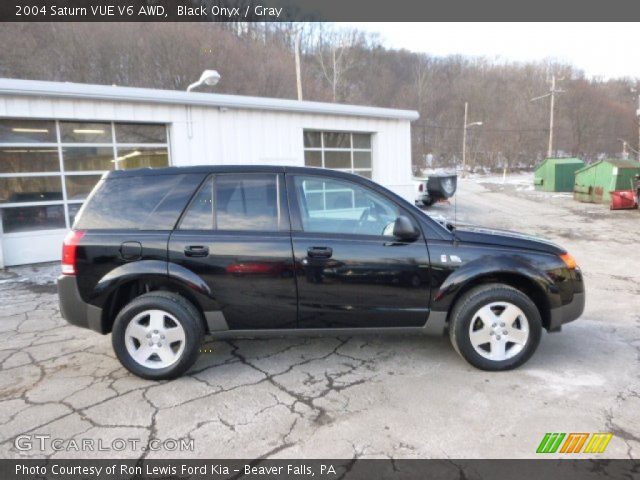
75, 310
567, 313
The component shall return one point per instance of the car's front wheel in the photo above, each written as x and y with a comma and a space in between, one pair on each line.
158, 335
495, 327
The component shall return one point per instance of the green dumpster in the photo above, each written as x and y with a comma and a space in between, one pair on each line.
594, 182
556, 174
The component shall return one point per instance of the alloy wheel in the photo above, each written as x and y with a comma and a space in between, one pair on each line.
155, 339
499, 331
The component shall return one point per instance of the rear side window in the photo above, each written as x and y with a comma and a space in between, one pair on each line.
244, 202
199, 216
138, 203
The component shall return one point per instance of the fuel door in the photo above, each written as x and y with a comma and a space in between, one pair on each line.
131, 251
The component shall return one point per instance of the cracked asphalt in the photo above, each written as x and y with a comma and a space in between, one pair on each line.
362, 396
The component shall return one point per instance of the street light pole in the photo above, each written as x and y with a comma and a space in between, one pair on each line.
464, 137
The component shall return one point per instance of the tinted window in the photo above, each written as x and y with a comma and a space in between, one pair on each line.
199, 216
247, 202
141, 157
30, 189
27, 131
83, 132
79, 186
337, 206
88, 158
27, 159
25, 219
140, 133
132, 202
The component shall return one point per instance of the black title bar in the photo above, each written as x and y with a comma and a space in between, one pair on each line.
316, 10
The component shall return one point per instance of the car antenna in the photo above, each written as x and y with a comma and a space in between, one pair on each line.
455, 207
455, 201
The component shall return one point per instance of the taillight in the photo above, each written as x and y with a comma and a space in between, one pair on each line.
421, 187
69, 247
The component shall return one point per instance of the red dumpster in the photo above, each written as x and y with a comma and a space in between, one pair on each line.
623, 199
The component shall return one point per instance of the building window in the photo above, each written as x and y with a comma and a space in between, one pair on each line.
48, 167
344, 151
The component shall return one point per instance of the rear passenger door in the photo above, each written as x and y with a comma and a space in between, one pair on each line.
235, 235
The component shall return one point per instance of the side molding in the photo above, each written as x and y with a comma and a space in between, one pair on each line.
436, 323
216, 321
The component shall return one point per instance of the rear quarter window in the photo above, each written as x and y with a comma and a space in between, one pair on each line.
143, 202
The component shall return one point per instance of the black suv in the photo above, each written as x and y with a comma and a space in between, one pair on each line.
163, 257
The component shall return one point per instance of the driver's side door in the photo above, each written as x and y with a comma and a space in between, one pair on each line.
350, 270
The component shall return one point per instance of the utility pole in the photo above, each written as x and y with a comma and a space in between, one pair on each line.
552, 108
552, 95
297, 57
464, 137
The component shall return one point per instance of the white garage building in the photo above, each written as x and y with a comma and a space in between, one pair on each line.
56, 139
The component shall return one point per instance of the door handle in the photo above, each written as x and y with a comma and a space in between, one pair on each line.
319, 252
196, 251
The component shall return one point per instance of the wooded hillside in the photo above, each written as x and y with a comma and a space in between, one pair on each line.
592, 116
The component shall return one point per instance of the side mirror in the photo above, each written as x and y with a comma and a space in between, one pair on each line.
404, 230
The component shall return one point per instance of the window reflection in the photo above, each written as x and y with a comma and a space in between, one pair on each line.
140, 133
344, 151
30, 189
27, 219
79, 186
30, 168
84, 132
73, 209
88, 158
29, 159
27, 131
129, 158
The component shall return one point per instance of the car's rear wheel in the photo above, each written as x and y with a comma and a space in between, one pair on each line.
158, 335
495, 327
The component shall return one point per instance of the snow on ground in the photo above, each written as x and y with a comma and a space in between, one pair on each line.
38, 274
520, 180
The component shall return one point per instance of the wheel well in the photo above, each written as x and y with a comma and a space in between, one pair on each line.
126, 292
519, 282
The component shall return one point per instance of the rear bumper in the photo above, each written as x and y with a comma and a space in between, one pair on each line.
75, 310
567, 313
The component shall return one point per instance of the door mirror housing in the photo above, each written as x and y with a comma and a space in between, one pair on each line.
403, 229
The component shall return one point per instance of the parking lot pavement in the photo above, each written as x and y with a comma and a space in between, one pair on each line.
400, 397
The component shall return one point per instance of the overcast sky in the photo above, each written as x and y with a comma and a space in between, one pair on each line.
608, 50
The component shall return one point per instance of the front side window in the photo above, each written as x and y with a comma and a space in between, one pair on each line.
244, 202
344, 151
338, 206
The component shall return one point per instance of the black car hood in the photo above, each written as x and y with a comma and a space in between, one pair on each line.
506, 238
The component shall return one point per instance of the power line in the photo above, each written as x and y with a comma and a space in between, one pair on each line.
517, 130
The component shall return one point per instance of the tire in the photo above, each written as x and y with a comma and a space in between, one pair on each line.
158, 335
429, 202
477, 316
